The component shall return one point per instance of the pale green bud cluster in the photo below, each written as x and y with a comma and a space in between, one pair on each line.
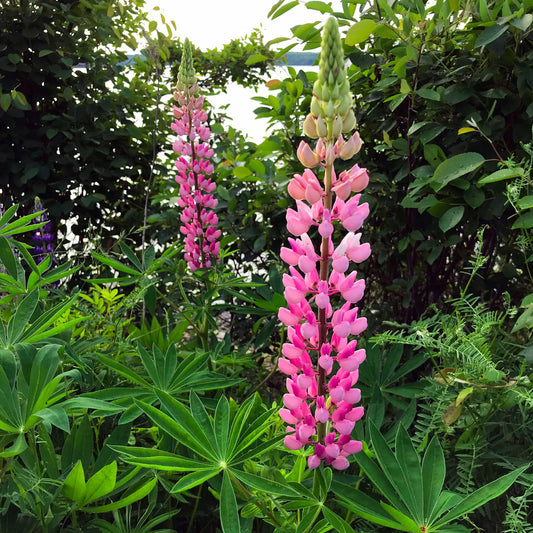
186, 75
331, 105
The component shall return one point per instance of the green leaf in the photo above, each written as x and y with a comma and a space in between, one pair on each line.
101, 483
42, 372
319, 6
364, 506
523, 23
410, 464
159, 459
525, 320
8, 258
396, 101
428, 94
256, 450
5, 101
130, 254
256, 58
135, 496
484, 11
408, 523
434, 154
527, 301
360, 32
22, 316
524, 221
83, 402
433, 474
526, 202
37, 330
404, 86
451, 218
455, 167
309, 517
242, 172
379, 479
202, 418
229, 514
503, 174
490, 34
8, 363
474, 197
238, 422
265, 485
182, 424
55, 416
125, 371
19, 446
74, 486
481, 496
194, 479
255, 430
392, 469
283, 9
221, 424
340, 525
117, 265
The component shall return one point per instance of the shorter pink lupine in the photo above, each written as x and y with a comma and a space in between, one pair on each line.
194, 170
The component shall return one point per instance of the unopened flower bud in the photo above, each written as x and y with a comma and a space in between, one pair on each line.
337, 126
349, 122
309, 126
321, 127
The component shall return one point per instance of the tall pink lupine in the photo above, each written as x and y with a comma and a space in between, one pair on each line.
322, 289
194, 169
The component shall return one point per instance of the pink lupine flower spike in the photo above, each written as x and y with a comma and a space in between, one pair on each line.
320, 358
194, 169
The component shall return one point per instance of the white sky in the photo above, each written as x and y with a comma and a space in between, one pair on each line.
210, 24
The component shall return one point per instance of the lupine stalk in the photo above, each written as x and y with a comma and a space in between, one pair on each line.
42, 237
194, 169
320, 359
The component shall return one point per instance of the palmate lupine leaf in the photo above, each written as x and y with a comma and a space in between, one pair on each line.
229, 513
481, 496
180, 425
159, 459
221, 425
161, 371
135, 496
413, 488
220, 444
412, 472
433, 474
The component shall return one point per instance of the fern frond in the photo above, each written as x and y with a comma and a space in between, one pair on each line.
518, 514
468, 461
429, 417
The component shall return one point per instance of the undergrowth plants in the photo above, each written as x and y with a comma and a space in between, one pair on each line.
181, 386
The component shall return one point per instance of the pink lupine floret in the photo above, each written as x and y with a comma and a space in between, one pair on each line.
307, 352
196, 185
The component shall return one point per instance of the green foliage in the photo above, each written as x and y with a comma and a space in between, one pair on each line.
144, 398
66, 136
413, 487
420, 74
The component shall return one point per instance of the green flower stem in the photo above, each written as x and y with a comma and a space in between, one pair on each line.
274, 369
249, 496
176, 308
195, 508
324, 267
